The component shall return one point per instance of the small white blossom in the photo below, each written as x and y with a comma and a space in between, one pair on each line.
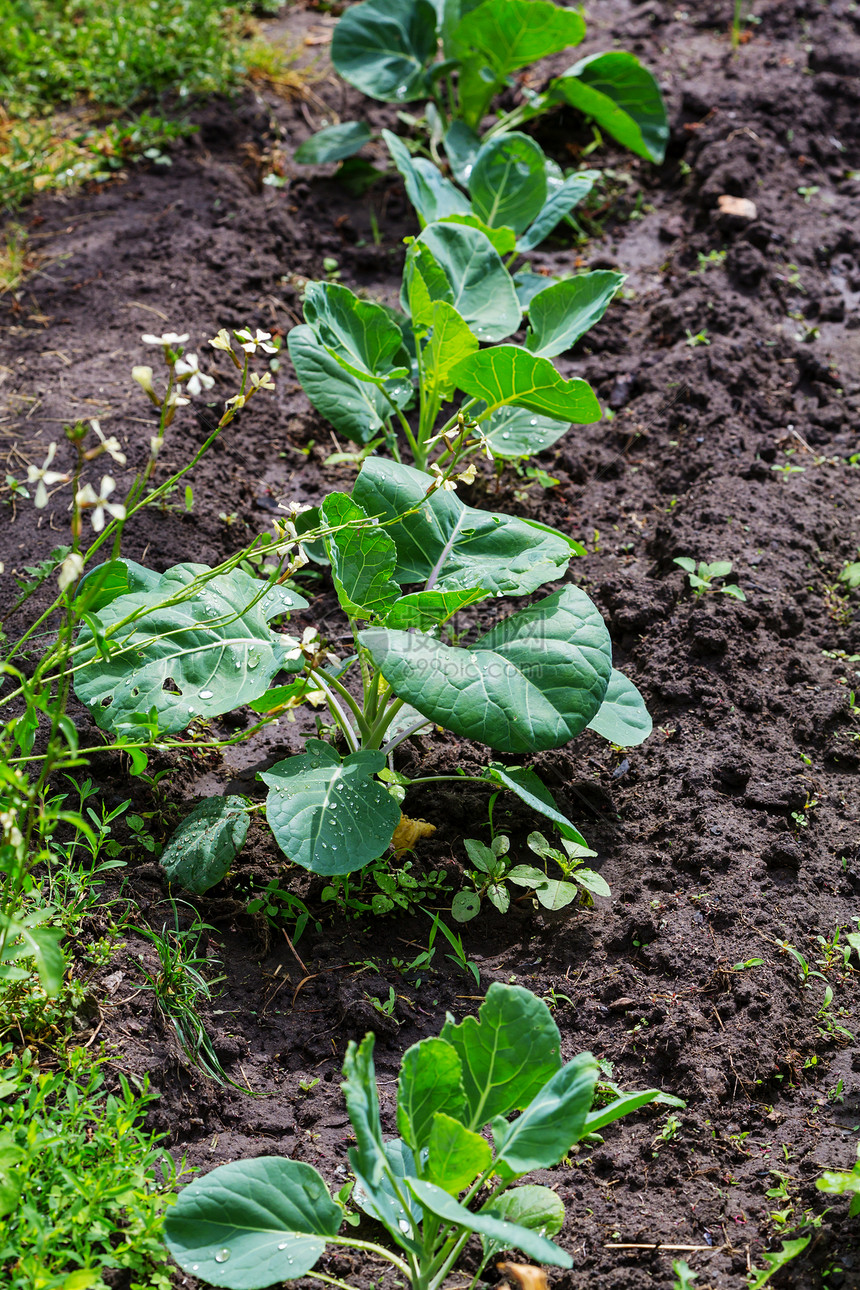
294, 508
89, 499
9, 826
197, 381
237, 401
70, 570
468, 475
263, 382
143, 376
169, 338
111, 445
45, 478
155, 445
440, 481
251, 344
222, 341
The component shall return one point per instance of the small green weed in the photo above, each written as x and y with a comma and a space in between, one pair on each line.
702, 577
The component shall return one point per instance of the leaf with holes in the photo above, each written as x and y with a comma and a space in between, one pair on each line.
191, 648
328, 815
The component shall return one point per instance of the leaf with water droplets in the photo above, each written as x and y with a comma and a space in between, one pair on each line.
328, 815
206, 843
252, 1223
190, 650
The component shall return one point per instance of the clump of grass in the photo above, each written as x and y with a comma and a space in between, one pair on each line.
95, 61
84, 1185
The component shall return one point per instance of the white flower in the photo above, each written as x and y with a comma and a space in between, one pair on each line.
251, 344
70, 570
186, 368
294, 508
98, 502
263, 382
155, 445
222, 341
440, 480
237, 401
143, 376
169, 338
468, 475
110, 445
45, 477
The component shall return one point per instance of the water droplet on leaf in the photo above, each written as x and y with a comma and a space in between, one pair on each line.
223, 1255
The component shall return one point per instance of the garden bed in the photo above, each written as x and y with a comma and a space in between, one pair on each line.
732, 367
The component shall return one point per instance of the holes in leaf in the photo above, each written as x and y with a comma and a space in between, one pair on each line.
170, 685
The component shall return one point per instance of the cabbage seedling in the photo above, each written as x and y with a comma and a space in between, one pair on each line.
254, 1223
362, 364
390, 50
406, 554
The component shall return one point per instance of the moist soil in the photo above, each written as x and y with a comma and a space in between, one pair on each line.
733, 831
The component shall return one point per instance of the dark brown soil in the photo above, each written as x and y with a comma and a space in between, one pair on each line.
734, 830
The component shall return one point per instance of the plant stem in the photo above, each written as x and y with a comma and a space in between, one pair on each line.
353, 1244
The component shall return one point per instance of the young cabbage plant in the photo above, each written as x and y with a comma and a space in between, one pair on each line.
406, 554
458, 56
362, 364
517, 195
254, 1223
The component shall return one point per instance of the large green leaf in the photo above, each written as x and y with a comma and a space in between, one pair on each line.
455, 1155
356, 408
508, 1236
533, 682
468, 547
508, 374
383, 48
12, 1176
508, 181
461, 145
538, 1208
528, 284
430, 193
623, 98
622, 717
508, 1052
431, 1080
500, 36
561, 199
516, 432
26, 938
552, 1122
333, 143
424, 609
476, 281
214, 651
525, 783
360, 335
206, 843
362, 560
448, 340
328, 815
104, 582
252, 1223
563, 312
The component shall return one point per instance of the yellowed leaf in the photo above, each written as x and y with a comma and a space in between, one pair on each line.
408, 832
524, 1275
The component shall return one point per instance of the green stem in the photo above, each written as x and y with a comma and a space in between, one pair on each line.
369, 1246
364, 728
378, 729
